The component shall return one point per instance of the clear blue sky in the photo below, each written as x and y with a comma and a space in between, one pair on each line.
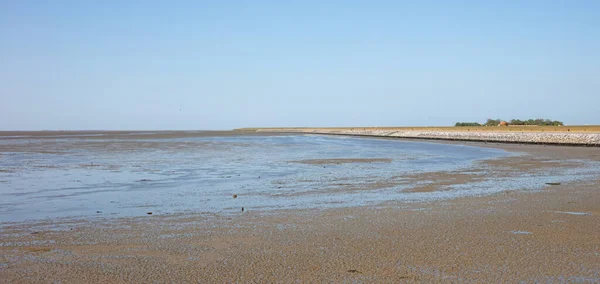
228, 64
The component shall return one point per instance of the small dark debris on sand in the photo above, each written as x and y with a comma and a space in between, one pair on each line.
354, 271
553, 183
235, 196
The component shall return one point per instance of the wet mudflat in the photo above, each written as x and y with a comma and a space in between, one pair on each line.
514, 236
317, 209
45, 177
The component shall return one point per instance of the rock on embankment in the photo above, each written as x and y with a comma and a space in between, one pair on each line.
559, 138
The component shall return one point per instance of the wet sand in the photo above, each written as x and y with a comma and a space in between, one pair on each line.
550, 235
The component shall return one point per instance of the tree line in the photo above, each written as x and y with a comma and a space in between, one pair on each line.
496, 122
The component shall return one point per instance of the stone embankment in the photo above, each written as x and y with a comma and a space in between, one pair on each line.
549, 138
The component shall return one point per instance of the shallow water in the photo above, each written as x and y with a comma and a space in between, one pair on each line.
76, 177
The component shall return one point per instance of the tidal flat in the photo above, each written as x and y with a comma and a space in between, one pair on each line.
76, 207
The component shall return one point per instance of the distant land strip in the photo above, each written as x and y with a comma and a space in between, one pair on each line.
581, 135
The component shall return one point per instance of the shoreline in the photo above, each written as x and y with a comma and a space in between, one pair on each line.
578, 138
554, 138
435, 139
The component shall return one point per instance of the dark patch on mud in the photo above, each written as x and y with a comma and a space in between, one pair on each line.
343, 161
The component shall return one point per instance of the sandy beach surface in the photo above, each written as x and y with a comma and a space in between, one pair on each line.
550, 235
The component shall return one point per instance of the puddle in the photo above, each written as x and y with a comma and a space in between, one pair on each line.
573, 213
521, 232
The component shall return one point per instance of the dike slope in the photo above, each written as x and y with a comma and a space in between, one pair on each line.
590, 139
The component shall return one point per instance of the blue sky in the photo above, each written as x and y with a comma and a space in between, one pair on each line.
229, 64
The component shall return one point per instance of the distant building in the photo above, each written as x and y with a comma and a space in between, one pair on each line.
503, 123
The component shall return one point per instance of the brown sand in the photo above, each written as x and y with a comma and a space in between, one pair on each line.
545, 236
